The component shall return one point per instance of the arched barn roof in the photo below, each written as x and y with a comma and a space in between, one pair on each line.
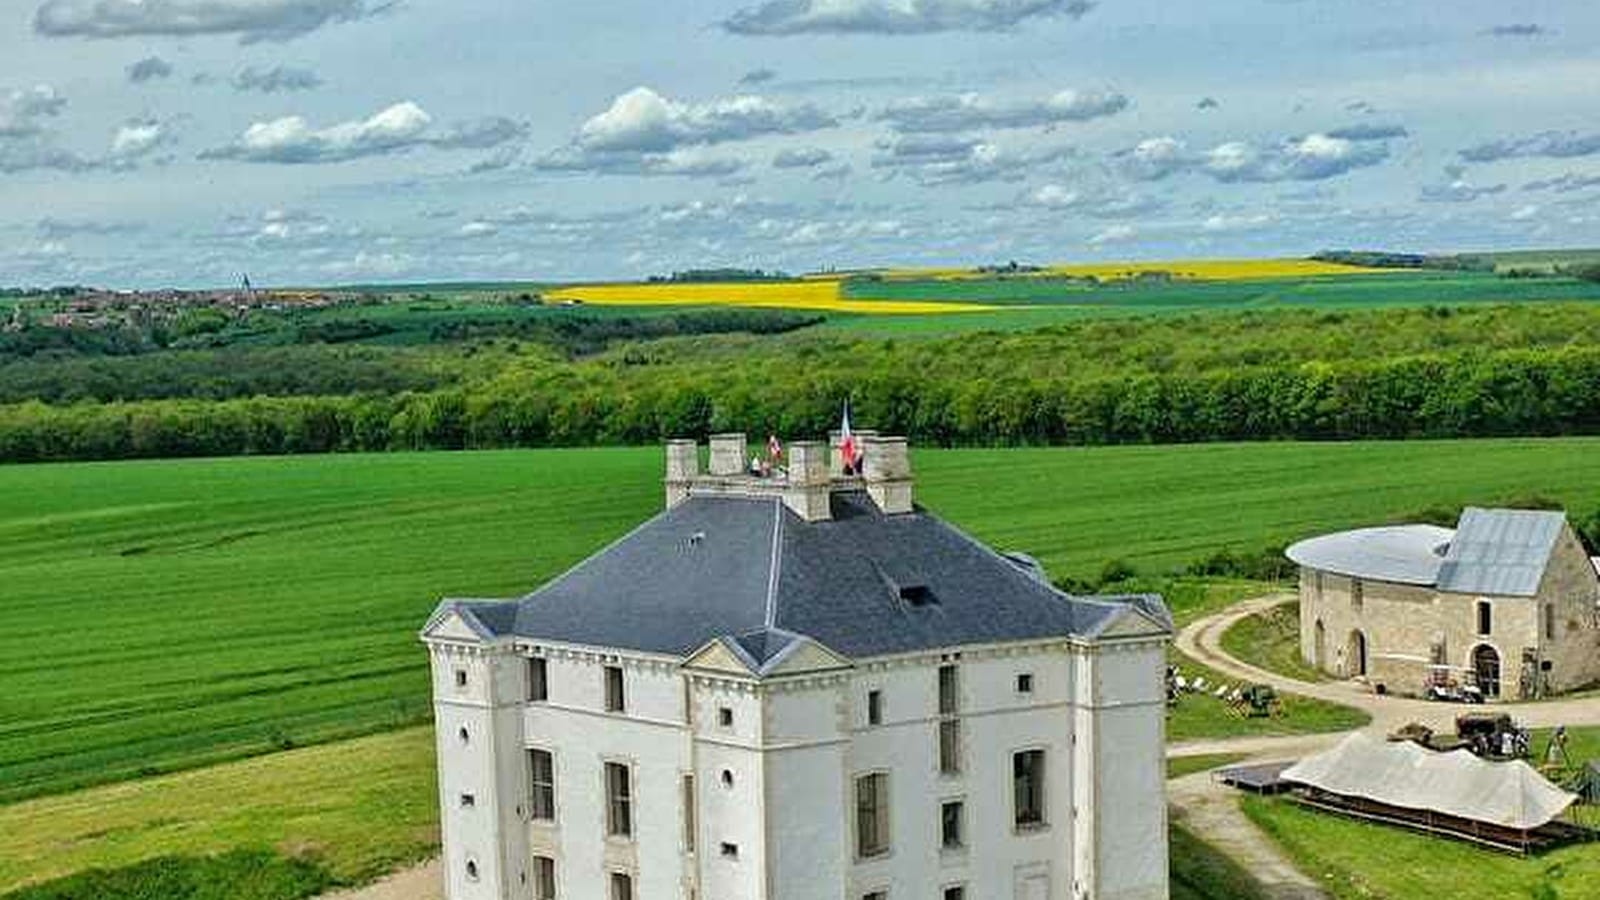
1403, 554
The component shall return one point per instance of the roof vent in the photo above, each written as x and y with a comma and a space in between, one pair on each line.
693, 541
918, 595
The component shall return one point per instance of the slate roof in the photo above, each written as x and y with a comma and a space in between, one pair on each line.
861, 584
1502, 552
1496, 552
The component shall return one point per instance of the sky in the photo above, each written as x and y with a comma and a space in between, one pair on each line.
149, 143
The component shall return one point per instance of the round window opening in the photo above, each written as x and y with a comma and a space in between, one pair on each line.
727, 778
472, 869
464, 736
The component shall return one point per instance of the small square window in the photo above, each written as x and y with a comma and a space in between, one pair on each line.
874, 707
725, 717
468, 801
1025, 683
461, 678
876, 895
955, 892
731, 851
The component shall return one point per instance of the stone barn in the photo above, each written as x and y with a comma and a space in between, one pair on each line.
1508, 600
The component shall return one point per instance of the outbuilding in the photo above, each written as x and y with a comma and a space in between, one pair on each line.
1506, 603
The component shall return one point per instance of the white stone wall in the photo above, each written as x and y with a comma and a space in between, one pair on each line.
793, 750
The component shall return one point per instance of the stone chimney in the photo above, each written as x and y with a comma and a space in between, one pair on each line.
683, 467
888, 473
809, 485
728, 454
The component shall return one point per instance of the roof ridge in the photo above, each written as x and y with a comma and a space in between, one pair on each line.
774, 564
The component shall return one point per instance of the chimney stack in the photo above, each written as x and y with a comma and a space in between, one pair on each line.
683, 467
809, 485
728, 454
888, 473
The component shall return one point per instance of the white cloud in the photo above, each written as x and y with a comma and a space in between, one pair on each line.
478, 229
1455, 188
1314, 157
643, 121
968, 112
251, 20
788, 17
23, 111
137, 139
1114, 234
401, 127
1525, 213
933, 160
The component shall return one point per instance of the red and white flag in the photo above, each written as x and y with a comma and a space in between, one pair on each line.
849, 450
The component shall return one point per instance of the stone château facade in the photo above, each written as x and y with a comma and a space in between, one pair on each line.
1508, 600
800, 686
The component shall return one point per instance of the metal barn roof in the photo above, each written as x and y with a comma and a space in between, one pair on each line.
1404, 554
1502, 552
1497, 552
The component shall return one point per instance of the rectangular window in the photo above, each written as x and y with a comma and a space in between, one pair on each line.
542, 778
1027, 775
876, 895
948, 690
951, 813
1317, 583
619, 800
621, 886
955, 892
538, 680
461, 678
1485, 617
615, 701
730, 851
1357, 593
544, 878
950, 746
724, 717
688, 813
1549, 621
1025, 683
468, 801
874, 707
872, 815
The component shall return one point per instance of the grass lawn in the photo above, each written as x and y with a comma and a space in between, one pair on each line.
1363, 861
201, 610
360, 808
1200, 871
1179, 766
1271, 640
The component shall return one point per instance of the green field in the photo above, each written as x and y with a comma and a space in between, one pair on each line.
1037, 301
206, 609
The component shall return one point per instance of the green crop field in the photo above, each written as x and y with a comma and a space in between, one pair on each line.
168, 614
1034, 302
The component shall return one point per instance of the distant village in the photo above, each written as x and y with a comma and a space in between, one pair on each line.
96, 308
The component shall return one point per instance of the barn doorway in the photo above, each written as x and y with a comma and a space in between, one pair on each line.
1357, 654
1486, 666
1319, 646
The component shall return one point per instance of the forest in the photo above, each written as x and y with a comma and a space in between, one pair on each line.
1527, 369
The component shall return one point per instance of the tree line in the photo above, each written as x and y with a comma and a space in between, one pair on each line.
1543, 391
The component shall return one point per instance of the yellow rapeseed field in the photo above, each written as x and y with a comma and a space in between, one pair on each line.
1195, 270
818, 295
